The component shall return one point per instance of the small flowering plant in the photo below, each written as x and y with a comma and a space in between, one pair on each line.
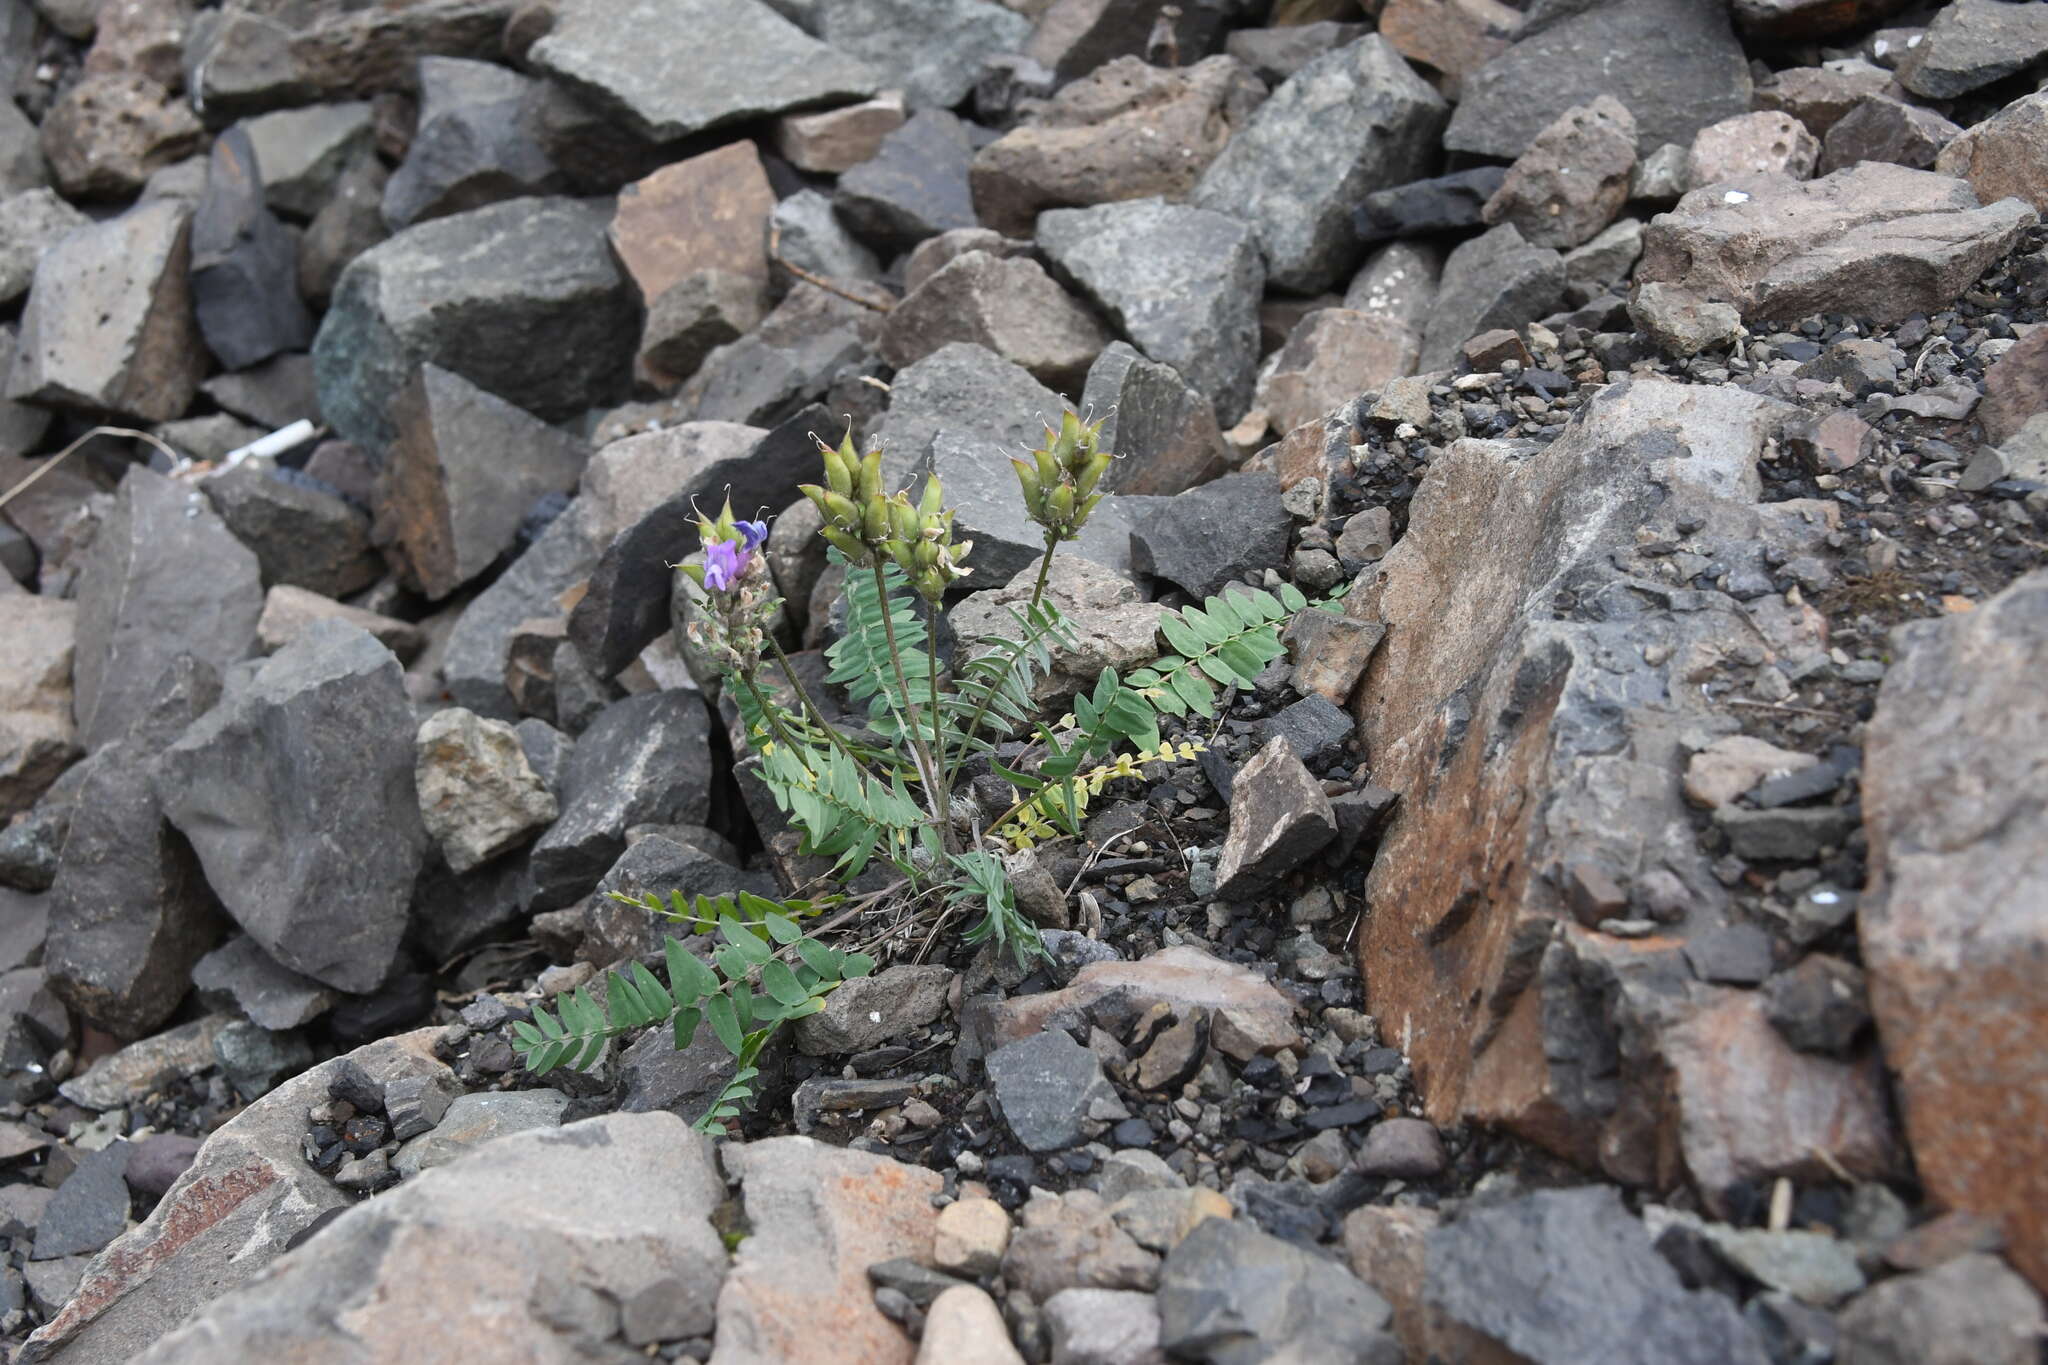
897, 788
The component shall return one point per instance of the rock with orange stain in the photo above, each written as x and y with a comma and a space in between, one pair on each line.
821, 1216
1952, 924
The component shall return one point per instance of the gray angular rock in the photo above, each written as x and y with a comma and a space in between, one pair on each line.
791, 359
1279, 819
1180, 283
1684, 71
535, 276
2005, 156
1880, 129
304, 536
109, 327
982, 486
616, 53
248, 1195
303, 153
37, 737
1354, 121
347, 225
835, 140
245, 268
478, 797
1274, 54
1972, 43
875, 1009
128, 1075
30, 223
474, 145
1494, 280
915, 186
21, 154
1568, 1276
1012, 307
254, 1059
1680, 322
1230, 1294
474, 664
1050, 1090
1969, 1311
622, 1248
240, 974
1573, 179
645, 760
1443, 203
477, 1118
297, 794
967, 389
90, 1209
1074, 37
810, 236
931, 50
704, 310
1163, 431
163, 577
463, 473
1211, 535
1781, 248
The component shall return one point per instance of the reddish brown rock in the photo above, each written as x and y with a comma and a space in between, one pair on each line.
1450, 36
1387, 1249
288, 610
37, 740
2006, 155
1752, 144
2015, 388
1820, 95
1332, 356
1891, 130
706, 213
1125, 131
1011, 306
1951, 923
1803, 19
838, 139
106, 134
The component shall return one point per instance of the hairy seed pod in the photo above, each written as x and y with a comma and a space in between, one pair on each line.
933, 499
1059, 505
845, 544
1091, 474
842, 512
838, 473
875, 522
870, 481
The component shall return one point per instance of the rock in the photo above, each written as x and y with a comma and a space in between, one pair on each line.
478, 796
163, 577
1972, 1309
349, 223
1402, 1149
306, 538
821, 1216
1163, 431
1451, 724
1443, 203
253, 1060
1685, 71
1733, 764
474, 143
302, 154
2001, 157
1330, 357
1681, 323
1568, 1275
1398, 281
1074, 37
916, 185
1330, 653
1818, 96
1111, 623
240, 975
643, 1180
156, 1162
981, 485
614, 55
1880, 129
1810, 18
247, 1196
1011, 307
1452, 37
1182, 284
1124, 131
1730, 954
1819, 1006
1314, 727
1751, 145
867, 1011
1074, 1242
1348, 123
1103, 1327
533, 274
699, 313
2015, 389
470, 1121
964, 1324
108, 326
1229, 1292
475, 662
837, 140
644, 760
1209, 536
704, 213
1051, 1090
1775, 247
1573, 179
969, 1237
1952, 1005
970, 391
105, 134
31, 222
930, 51
1970, 44
1751, 1109
37, 738
1274, 54
287, 611
244, 263
128, 1075
1812, 1267
320, 739
790, 360
464, 471
1495, 280
809, 236
1279, 819
90, 1209
21, 153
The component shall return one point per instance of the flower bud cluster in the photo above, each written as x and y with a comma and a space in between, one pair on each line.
865, 525
739, 598
1060, 477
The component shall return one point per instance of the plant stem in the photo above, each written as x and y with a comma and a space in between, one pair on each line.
811, 707
924, 757
940, 780
981, 707
774, 721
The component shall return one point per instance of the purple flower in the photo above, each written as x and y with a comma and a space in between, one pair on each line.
724, 562
752, 532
